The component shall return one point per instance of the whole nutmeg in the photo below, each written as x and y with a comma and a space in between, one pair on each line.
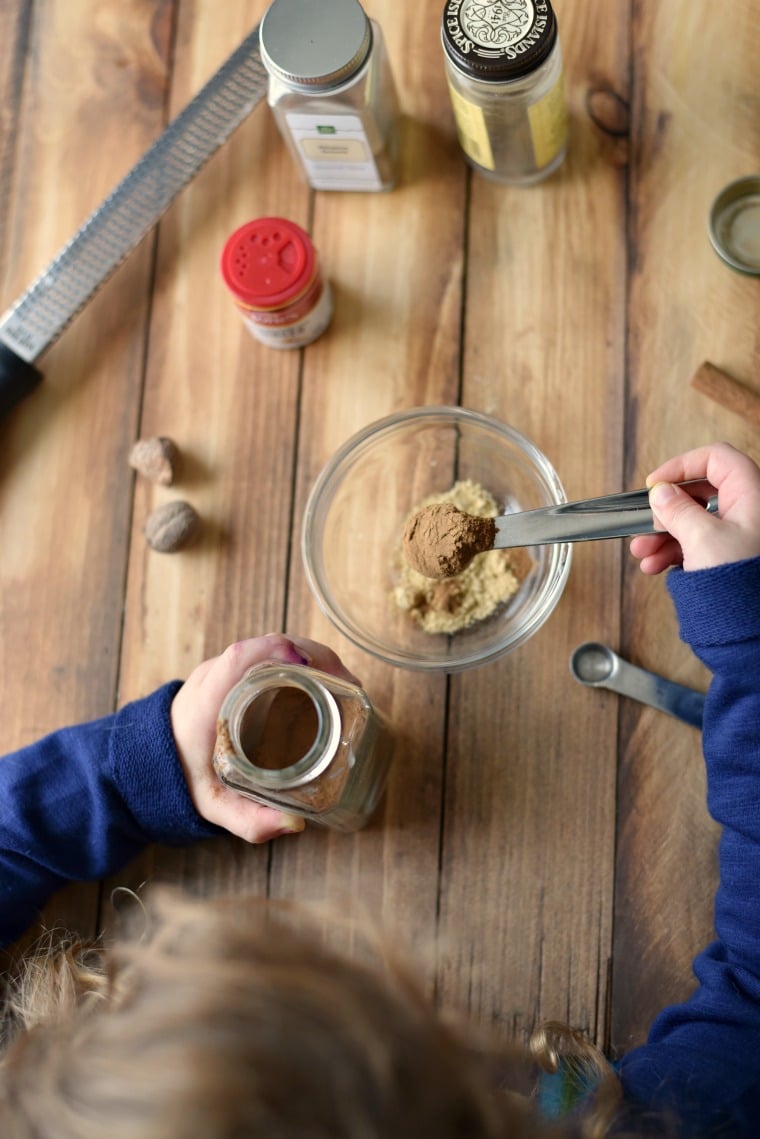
171, 526
155, 459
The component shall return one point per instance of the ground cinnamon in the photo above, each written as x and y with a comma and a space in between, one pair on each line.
315, 796
490, 580
440, 540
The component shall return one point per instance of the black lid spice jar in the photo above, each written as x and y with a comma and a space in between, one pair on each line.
331, 92
504, 70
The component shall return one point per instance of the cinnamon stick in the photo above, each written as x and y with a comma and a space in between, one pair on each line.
728, 392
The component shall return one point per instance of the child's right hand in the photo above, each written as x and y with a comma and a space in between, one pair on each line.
693, 538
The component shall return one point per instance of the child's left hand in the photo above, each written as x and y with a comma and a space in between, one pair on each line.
194, 714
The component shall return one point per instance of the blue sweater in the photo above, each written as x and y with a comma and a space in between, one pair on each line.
82, 802
702, 1057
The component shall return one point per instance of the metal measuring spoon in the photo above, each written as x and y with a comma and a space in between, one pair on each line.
440, 540
609, 516
599, 666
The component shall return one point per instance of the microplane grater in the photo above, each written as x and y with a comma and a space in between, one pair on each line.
125, 217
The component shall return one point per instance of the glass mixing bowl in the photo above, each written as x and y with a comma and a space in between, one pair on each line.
355, 517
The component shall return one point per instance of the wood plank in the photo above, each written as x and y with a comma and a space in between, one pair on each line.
15, 21
230, 404
526, 906
396, 264
65, 488
695, 112
576, 310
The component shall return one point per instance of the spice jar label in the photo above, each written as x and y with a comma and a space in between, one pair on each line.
335, 151
548, 124
471, 129
303, 322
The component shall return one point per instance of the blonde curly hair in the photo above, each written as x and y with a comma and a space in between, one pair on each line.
232, 1019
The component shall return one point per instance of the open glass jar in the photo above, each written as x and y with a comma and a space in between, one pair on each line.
304, 742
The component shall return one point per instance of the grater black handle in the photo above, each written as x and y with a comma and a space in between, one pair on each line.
17, 378
129, 212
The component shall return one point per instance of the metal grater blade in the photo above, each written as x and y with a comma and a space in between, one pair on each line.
118, 225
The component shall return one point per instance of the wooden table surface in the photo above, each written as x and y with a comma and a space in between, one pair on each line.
546, 847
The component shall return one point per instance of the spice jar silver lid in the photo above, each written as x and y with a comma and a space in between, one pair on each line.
734, 224
315, 45
498, 42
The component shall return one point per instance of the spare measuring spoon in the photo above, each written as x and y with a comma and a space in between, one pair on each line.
599, 666
440, 540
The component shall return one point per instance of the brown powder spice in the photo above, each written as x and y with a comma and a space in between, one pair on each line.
439, 540
313, 797
490, 580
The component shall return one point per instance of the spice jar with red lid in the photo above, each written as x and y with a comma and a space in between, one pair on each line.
272, 270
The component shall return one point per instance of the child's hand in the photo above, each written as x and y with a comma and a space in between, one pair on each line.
694, 538
194, 714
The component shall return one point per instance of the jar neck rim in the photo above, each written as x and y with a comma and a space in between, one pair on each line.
268, 680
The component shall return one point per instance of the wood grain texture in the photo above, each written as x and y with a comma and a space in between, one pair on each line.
396, 262
693, 124
15, 21
65, 503
544, 848
231, 407
529, 825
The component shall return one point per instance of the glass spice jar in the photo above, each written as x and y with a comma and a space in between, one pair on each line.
331, 92
272, 270
504, 71
304, 742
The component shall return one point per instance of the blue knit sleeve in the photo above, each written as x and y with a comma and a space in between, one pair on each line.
83, 801
702, 1058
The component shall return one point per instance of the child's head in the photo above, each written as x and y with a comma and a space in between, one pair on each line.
222, 1022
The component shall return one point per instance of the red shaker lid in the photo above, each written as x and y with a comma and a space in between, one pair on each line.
268, 262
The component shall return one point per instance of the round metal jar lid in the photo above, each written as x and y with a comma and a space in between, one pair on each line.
498, 42
734, 224
314, 44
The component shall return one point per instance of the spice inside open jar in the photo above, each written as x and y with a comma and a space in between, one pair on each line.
304, 742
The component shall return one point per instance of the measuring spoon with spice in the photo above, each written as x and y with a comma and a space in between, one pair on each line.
440, 540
